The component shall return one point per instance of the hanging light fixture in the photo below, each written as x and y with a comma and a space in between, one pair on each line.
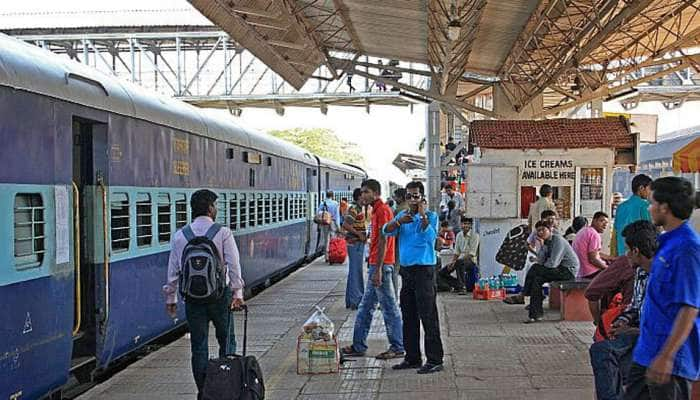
454, 27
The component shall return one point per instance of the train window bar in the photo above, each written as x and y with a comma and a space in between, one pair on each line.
268, 209
252, 216
164, 218
144, 221
180, 210
233, 212
29, 228
243, 210
221, 210
260, 208
119, 221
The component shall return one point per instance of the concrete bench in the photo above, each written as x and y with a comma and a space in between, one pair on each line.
567, 297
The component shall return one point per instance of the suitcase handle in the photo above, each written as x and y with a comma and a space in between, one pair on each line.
245, 329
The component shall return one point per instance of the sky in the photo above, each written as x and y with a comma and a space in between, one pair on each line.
381, 134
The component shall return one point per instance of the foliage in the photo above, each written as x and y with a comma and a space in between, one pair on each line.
323, 142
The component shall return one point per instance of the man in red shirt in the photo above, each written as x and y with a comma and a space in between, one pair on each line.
380, 287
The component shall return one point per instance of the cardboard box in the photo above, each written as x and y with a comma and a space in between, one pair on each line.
317, 356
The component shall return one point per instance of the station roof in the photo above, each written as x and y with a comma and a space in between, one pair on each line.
552, 134
570, 51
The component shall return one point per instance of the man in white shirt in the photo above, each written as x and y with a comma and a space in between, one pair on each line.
332, 207
198, 313
451, 194
466, 247
544, 203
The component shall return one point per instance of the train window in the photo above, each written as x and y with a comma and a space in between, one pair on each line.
268, 161
260, 209
243, 210
233, 212
29, 230
251, 178
280, 207
268, 209
229, 153
164, 218
252, 221
119, 217
304, 210
221, 210
273, 208
180, 210
144, 223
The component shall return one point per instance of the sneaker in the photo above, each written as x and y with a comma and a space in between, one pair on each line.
406, 365
532, 320
430, 368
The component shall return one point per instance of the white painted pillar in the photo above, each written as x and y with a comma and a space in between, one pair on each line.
432, 140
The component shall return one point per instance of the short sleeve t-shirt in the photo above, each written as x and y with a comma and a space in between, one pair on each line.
381, 214
586, 241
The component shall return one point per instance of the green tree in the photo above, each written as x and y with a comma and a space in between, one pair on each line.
323, 142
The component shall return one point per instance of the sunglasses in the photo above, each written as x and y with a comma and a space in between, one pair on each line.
414, 196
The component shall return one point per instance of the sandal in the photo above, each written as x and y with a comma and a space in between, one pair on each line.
350, 352
516, 299
389, 354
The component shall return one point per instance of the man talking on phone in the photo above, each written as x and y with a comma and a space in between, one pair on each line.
418, 229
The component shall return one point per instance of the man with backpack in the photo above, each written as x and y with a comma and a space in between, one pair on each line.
204, 265
328, 219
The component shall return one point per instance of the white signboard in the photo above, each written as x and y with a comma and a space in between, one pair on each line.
492, 191
62, 224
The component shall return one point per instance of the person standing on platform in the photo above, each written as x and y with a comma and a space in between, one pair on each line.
587, 245
418, 230
380, 286
667, 354
633, 209
355, 225
401, 205
329, 205
200, 312
543, 204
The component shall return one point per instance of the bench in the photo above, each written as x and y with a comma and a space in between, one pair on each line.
567, 297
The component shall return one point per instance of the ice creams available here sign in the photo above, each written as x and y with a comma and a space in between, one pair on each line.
538, 170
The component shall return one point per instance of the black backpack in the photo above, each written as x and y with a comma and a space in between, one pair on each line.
234, 377
203, 274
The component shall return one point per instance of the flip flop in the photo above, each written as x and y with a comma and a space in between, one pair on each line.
389, 354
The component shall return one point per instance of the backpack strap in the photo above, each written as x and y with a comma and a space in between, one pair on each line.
212, 231
188, 233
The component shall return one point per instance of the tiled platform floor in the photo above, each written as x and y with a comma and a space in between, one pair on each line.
490, 354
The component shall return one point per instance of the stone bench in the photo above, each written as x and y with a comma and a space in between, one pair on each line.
567, 297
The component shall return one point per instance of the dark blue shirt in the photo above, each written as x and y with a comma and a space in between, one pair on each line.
674, 282
416, 245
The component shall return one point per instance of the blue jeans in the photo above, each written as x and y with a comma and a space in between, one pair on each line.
356, 281
384, 295
198, 317
611, 361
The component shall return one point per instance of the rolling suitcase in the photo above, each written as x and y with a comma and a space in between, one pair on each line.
234, 377
337, 250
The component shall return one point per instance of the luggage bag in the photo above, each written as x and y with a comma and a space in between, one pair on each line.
234, 377
337, 250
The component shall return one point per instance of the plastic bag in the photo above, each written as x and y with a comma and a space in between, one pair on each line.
318, 326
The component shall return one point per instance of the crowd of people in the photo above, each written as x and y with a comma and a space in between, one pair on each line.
644, 296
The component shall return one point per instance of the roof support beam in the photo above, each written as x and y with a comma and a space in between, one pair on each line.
449, 54
427, 94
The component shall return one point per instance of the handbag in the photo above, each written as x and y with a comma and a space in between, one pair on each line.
514, 249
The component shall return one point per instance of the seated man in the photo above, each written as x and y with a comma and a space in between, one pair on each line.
611, 358
587, 245
464, 261
556, 261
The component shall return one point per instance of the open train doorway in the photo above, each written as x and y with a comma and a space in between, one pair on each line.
89, 186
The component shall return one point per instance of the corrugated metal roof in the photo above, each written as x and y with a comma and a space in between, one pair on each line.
664, 149
185, 15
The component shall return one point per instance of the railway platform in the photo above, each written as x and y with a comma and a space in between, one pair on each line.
489, 352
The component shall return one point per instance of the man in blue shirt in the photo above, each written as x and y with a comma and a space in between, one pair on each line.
417, 227
633, 209
332, 207
667, 354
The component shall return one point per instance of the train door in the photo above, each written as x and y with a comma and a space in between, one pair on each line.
89, 168
309, 200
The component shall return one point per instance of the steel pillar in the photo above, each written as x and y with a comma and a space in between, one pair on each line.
432, 139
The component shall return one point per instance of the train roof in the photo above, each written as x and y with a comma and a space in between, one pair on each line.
27, 67
664, 148
325, 162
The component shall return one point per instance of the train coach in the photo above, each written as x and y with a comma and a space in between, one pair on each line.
96, 178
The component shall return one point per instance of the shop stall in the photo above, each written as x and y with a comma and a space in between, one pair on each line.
513, 159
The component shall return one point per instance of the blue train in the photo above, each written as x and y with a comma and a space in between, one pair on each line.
96, 177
